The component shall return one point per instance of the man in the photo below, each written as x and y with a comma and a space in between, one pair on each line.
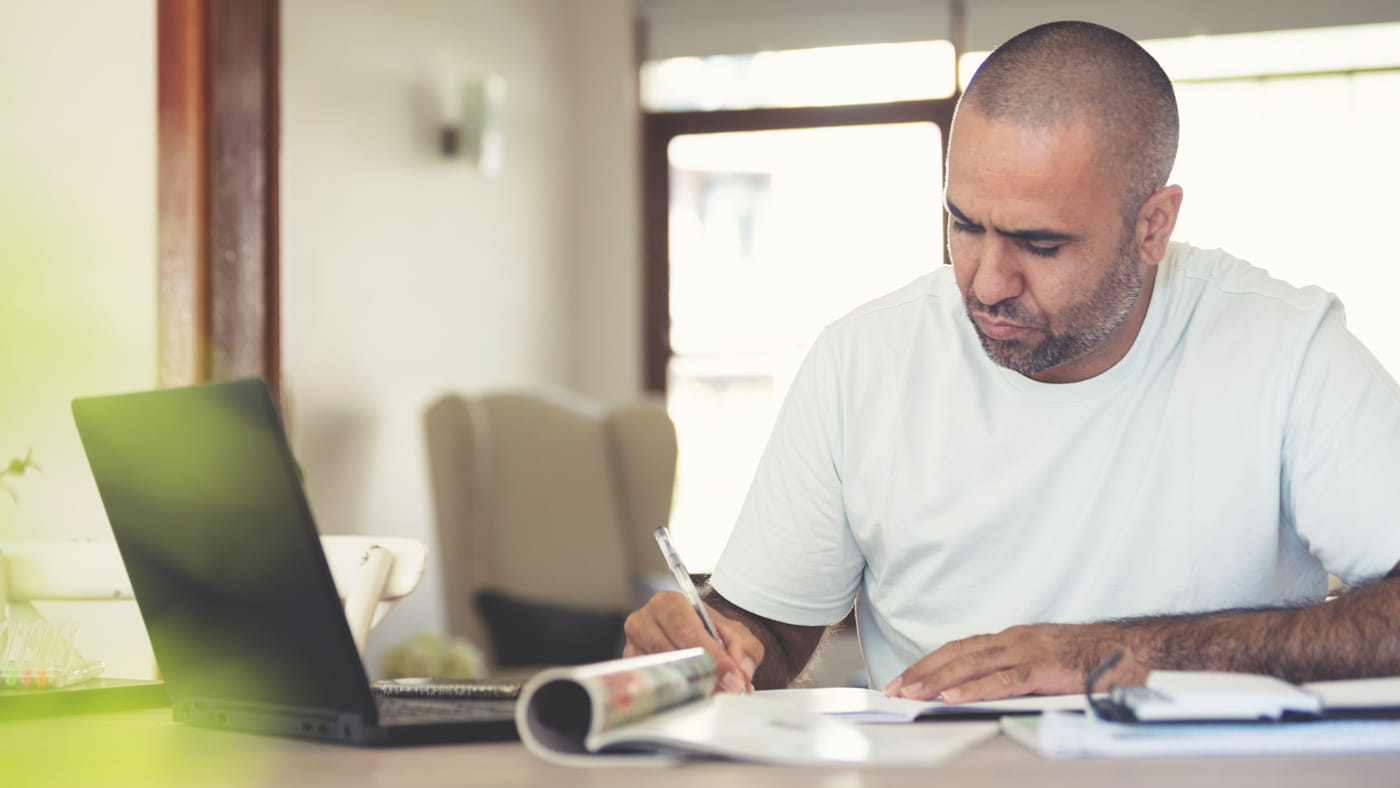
1084, 438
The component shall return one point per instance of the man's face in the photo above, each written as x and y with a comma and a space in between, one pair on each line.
1050, 276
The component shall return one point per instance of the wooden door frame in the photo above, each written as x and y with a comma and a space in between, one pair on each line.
217, 182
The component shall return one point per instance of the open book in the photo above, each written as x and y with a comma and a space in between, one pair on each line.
865, 705
661, 707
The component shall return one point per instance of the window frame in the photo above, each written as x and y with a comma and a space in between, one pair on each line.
659, 128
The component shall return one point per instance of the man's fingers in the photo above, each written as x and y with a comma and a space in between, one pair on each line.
1020, 660
743, 648
972, 666
668, 622
955, 663
1001, 684
646, 630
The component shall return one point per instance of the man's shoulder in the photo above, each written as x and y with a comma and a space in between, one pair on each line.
1220, 279
932, 293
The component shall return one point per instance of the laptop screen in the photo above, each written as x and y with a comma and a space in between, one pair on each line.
212, 523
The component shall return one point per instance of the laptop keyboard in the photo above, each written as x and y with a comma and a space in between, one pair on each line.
400, 711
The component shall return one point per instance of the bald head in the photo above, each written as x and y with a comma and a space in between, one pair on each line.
1064, 73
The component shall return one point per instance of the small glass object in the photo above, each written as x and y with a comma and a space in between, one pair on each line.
38, 655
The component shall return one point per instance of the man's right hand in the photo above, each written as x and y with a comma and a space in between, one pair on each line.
668, 622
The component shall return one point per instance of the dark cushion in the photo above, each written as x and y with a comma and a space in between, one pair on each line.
525, 632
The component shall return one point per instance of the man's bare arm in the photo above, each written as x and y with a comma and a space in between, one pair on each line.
1356, 635
787, 648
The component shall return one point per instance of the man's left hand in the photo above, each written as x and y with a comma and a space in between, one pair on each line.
1036, 659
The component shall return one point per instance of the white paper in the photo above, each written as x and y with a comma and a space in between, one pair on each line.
871, 706
1068, 735
1358, 693
750, 727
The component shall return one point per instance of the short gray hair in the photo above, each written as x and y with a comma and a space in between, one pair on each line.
1061, 72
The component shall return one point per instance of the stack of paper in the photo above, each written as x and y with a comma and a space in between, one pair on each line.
1069, 735
1209, 713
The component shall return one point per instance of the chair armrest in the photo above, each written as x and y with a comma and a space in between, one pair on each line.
371, 575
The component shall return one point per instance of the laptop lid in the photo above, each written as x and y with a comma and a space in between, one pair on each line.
209, 514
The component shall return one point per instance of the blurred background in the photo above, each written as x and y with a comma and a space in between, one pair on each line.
551, 254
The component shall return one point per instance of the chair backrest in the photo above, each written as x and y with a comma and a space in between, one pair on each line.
547, 496
371, 575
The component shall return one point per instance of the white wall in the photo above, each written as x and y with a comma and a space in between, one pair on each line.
77, 261
406, 275
77, 239
605, 271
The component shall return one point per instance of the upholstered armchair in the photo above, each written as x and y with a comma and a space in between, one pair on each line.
545, 505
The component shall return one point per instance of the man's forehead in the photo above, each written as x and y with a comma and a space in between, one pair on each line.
1015, 168
1068, 142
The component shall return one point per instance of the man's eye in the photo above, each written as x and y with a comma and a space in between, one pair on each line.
1042, 251
965, 227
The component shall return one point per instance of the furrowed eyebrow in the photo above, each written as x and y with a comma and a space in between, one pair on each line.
958, 214
1040, 236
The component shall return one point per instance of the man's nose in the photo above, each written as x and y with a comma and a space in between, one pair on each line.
998, 276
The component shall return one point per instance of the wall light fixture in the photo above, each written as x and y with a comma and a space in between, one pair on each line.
472, 121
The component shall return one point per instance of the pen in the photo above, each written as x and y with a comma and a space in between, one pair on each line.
673, 560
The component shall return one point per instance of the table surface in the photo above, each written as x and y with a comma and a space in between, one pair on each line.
145, 748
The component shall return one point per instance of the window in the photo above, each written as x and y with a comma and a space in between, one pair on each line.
774, 234
779, 218
864, 74
1293, 170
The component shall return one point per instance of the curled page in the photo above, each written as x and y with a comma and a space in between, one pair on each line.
564, 711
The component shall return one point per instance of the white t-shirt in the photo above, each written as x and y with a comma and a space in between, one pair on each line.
1244, 443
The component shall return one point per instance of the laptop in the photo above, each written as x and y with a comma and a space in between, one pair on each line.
213, 525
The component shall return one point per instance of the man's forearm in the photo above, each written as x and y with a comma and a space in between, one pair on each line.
1356, 635
781, 663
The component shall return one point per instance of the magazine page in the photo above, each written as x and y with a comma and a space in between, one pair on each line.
660, 708
562, 708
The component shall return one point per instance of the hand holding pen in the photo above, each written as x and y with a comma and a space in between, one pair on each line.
668, 621
682, 575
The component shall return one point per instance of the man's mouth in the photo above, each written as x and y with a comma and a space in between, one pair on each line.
999, 329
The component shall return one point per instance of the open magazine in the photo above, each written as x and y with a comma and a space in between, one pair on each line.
662, 707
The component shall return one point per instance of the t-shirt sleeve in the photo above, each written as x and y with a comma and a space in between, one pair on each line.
1341, 471
791, 556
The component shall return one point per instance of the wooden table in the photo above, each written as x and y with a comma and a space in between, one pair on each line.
144, 748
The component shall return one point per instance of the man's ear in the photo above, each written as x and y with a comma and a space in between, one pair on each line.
1155, 223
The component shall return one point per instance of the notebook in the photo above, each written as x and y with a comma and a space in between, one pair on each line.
213, 525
